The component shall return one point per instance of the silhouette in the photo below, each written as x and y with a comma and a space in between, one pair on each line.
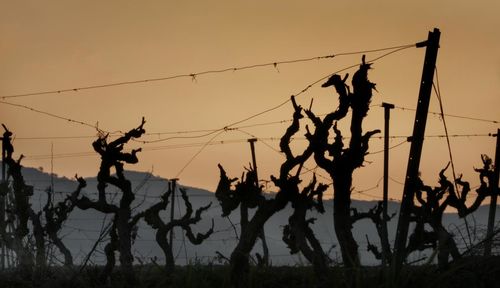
342, 161
56, 215
486, 188
430, 212
122, 230
19, 211
30, 249
375, 214
340, 164
431, 208
152, 217
6, 142
299, 236
248, 194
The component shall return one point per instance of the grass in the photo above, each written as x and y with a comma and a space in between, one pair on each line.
470, 273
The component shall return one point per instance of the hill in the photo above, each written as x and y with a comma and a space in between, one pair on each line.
83, 227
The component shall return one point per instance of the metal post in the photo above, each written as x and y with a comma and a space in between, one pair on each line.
254, 161
432, 46
243, 206
2, 207
172, 185
493, 203
385, 237
52, 172
262, 235
3, 160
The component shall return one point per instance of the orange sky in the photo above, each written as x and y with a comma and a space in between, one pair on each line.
54, 45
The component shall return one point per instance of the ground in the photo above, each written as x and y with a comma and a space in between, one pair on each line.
470, 273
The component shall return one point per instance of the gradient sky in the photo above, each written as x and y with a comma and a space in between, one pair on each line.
52, 45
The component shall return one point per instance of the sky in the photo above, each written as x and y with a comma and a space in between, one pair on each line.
58, 45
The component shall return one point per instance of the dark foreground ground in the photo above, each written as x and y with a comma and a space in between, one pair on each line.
470, 273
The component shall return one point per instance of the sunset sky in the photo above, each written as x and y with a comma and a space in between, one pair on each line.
58, 45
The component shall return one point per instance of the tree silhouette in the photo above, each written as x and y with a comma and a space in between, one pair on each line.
298, 234
375, 214
287, 184
246, 195
430, 211
19, 211
121, 234
31, 248
152, 217
56, 215
486, 189
340, 161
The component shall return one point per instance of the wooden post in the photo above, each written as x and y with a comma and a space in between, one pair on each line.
493, 203
385, 237
417, 140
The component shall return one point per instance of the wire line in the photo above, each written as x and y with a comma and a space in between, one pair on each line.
196, 154
252, 125
390, 148
437, 91
398, 48
49, 114
194, 75
234, 141
229, 126
452, 115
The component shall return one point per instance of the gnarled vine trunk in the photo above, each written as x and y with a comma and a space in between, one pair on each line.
249, 195
341, 161
153, 219
299, 236
123, 221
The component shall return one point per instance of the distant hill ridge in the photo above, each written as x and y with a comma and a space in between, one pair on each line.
83, 227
